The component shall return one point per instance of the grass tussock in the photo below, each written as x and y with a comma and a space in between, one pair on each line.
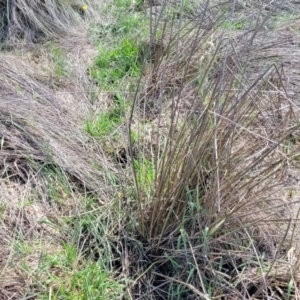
217, 170
155, 159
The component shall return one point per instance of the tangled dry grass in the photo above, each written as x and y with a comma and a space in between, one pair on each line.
42, 135
37, 129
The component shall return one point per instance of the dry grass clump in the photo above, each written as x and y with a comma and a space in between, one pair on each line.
214, 218
37, 20
37, 131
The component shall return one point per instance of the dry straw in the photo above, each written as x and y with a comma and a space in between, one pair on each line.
37, 20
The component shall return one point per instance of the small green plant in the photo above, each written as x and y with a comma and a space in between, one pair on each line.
131, 26
125, 4
104, 123
57, 186
240, 24
114, 64
145, 173
59, 59
128, 24
134, 136
188, 6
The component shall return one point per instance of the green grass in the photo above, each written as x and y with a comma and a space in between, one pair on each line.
124, 4
80, 266
123, 25
66, 276
145, 173
235, 25
77, 263
59, 59
112, 65
120, 47
58, 188
129, 25
104, 124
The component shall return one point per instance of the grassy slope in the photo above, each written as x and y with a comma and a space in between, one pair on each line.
77, 222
